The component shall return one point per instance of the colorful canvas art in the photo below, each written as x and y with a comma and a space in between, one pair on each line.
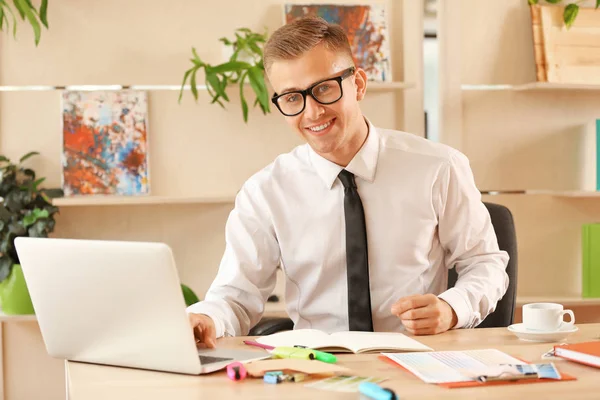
366, 28
105, 143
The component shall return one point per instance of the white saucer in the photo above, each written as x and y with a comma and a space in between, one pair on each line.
538, 336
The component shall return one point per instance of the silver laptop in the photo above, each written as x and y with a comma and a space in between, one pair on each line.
115, 303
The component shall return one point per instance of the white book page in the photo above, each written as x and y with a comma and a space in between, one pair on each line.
311, 338
373, 341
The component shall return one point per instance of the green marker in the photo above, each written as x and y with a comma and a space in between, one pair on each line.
325, 357
322, 356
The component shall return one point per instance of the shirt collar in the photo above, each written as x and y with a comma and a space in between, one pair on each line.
363, 165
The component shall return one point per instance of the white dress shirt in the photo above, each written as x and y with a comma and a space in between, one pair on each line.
423, 215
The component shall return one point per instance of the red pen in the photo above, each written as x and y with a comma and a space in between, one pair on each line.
262, 346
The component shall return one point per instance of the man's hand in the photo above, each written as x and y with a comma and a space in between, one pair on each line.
204, 330
425, 314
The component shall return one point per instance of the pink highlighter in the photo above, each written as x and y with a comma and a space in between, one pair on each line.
236, 371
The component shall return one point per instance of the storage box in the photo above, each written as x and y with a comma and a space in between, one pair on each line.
566, 55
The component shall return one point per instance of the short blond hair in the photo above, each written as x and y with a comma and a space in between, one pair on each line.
302, 35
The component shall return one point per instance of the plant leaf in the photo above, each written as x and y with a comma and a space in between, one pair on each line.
255, 48
532, 2
2, 17
242, 97
4, 214
553, 1
597, 3
35, 184
6, 7
46, 198
216, 100
224, 88
34, 215
6, 264
44, 13
193, 88
14, 201
39, 228
26, 156
189, 296
4, 158
196, 58
230, 66
185, 77
16, 229
30, 13
213, 81
257, 81
570, 14
19, 7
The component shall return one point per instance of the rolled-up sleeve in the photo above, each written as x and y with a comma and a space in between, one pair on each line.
247, 273
466, 232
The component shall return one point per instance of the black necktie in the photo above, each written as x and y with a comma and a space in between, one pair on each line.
357, 260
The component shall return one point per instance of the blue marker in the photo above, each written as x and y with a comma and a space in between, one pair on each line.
376, 392
272, 379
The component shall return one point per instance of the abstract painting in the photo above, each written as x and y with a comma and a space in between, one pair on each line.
366, 28
105, 143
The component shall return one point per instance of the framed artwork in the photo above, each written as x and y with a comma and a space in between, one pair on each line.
366, 28
105, 143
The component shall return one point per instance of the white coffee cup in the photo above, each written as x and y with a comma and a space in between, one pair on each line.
546, 317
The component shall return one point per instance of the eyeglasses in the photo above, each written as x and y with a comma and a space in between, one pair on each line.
327, 91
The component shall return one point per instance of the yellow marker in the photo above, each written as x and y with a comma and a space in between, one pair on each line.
294, 352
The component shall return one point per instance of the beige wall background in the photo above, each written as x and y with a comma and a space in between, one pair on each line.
522, 140
196, 150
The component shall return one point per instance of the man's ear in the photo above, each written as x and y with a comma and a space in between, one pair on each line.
360, 82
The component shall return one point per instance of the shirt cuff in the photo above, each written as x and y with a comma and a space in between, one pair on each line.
212, 312
460, 305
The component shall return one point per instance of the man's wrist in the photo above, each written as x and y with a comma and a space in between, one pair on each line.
453, 317
459, 303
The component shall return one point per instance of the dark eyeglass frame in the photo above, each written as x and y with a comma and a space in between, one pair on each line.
308, 91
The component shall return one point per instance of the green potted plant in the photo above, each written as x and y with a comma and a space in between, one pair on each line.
244, 65
571, 10
25, 210
25, 10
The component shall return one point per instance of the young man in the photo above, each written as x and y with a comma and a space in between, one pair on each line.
365, 222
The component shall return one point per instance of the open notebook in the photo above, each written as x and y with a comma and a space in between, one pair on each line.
344, 342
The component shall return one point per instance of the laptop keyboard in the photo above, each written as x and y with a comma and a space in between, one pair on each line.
210, 360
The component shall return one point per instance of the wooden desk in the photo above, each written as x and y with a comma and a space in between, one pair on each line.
90, 382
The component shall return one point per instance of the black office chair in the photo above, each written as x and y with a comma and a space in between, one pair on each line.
504, 226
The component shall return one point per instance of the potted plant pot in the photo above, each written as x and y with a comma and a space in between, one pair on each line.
14, 295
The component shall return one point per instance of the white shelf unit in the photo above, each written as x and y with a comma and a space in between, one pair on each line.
568, 193
138, 200
531, 86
